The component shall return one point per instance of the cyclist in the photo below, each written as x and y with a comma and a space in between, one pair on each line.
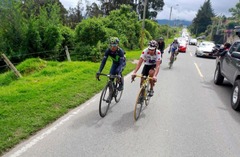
161, 45
151, 57
173, 49
118, 60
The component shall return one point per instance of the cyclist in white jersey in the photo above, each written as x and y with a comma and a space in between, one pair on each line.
151, 57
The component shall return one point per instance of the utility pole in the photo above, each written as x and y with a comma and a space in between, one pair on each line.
143, 25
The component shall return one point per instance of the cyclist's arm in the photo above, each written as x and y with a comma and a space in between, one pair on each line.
103, 61
158, 62
138, 65
157, 68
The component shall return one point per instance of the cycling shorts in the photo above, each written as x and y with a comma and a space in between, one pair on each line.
147, 68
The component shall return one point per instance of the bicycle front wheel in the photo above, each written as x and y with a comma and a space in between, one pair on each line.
139, 104
147, 97
105, 100
118, 94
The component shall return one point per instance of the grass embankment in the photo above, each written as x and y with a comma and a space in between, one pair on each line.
47, 91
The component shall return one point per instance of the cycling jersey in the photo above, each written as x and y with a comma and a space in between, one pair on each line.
174, 46
149, 59
118, 60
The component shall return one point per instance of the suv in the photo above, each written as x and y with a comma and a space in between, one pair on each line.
228, 66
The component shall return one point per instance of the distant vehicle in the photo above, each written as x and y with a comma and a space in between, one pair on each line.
201, 37
228, 66
205, 49
193, 41
182, 45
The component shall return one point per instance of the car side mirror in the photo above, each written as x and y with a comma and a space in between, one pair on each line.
235, 54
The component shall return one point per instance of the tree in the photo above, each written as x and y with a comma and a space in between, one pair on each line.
153, 6
236, 11
75, 15
93, 10
203, 18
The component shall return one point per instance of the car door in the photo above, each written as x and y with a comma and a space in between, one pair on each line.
229, 63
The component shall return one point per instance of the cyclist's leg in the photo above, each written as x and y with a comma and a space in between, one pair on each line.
145, 71
112, 72
150, 74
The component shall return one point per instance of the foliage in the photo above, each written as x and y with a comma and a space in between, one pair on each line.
236, 12
153, 6
12, 29
74, 15
47, 91
125, 22
203, 18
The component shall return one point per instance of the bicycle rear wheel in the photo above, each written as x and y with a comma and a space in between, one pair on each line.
139, 104
117, 94
105, 100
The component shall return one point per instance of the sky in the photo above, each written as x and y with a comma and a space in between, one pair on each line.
181, 9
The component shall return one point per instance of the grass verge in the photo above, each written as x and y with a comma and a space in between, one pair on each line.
47, 91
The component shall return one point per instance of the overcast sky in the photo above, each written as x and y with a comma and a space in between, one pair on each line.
181, 9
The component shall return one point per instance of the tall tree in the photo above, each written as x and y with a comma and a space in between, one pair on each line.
236, 12
75, 15
203, 18
153, 6
93, 10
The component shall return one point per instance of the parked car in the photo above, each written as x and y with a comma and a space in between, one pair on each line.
193, 41
205, 49
228, 66
182, 45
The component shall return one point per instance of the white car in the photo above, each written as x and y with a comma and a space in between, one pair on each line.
205, 49
193, 41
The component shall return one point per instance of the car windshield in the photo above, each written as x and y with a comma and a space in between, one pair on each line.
206, 44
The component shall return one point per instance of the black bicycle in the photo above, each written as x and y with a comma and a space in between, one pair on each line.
109, 92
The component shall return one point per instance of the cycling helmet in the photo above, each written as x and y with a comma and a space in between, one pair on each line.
114, 41
175, 39
152, 45
161, 38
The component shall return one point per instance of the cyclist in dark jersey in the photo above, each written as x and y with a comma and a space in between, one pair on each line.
118, 60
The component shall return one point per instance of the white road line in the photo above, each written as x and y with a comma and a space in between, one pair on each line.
49, 131
199, 71
53, 128
191, 54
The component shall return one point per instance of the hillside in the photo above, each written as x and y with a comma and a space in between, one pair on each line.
174, 22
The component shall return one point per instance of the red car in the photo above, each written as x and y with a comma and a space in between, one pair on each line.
182, 45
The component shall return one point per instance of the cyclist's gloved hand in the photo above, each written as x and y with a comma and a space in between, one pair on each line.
133, 76
168, 51
97, 75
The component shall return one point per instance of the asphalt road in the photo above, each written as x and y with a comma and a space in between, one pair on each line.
188, 116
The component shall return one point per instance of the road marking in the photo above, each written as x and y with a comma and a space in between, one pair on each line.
49, 131
191, 54
199, 71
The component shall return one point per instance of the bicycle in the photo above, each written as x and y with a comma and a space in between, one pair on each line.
109, 92
173, 57
143, 96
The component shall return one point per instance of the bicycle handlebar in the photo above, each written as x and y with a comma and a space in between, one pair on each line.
145, 77
109, 76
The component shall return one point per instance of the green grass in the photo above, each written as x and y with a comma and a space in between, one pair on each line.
47, 91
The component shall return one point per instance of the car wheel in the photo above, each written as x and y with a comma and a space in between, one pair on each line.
218, 78
235, 98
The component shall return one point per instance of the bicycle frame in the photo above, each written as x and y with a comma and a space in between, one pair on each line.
143, 96
108, 93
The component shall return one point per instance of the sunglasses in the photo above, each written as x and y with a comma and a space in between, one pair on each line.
113, 45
